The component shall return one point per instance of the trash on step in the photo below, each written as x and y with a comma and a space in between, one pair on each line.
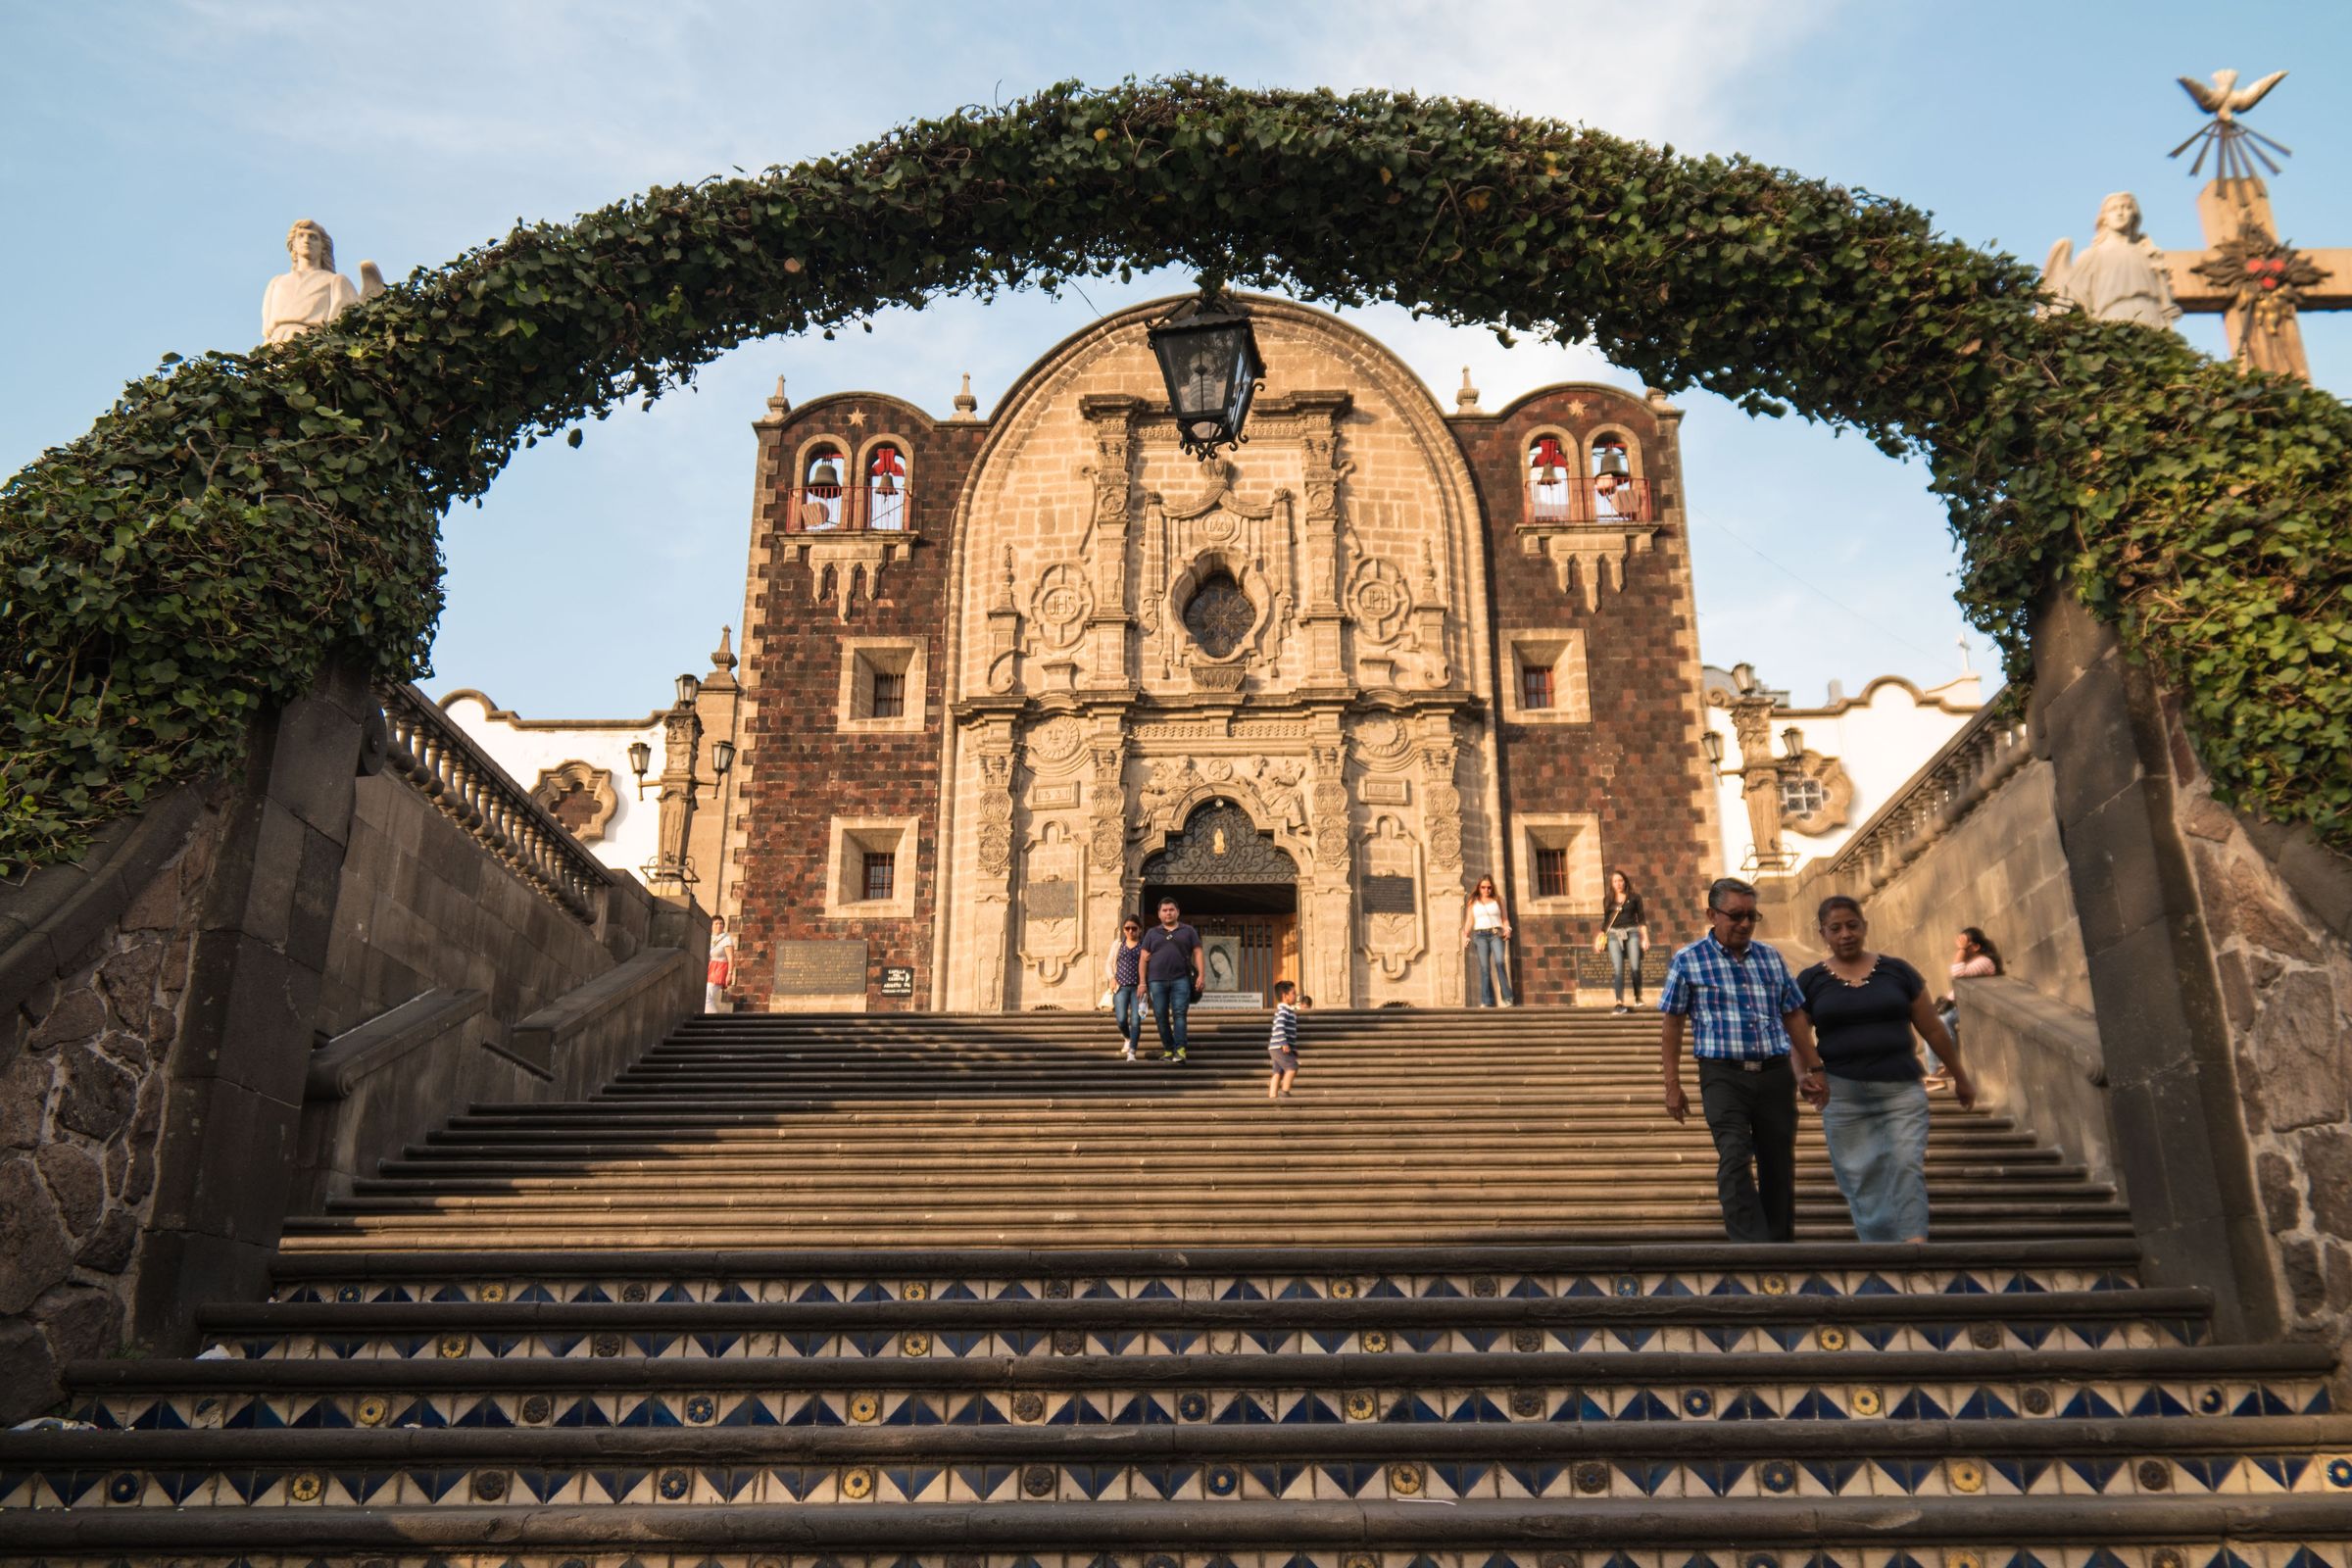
53, 1423
219, 1353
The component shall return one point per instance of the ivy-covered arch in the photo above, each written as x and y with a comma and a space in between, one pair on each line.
235, 521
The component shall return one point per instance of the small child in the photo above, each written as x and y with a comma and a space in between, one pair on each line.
1282, 1046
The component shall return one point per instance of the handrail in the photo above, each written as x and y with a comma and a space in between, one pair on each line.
1991, 746
444, 765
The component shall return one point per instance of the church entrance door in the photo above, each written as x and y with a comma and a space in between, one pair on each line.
1241, 893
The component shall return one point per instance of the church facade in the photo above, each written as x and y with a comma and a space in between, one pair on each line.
1005, 680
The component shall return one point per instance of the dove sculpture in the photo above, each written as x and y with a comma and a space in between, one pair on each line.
2235, 146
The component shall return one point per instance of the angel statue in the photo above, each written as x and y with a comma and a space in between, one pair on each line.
2121, 277
312, 293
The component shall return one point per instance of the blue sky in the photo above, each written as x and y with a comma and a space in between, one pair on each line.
152, 154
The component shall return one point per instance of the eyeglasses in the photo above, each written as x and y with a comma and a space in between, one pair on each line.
1744, 917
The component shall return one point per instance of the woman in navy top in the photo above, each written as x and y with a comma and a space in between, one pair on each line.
1125, 973
1863, 1006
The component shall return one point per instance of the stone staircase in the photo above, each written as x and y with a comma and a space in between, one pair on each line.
936, 1292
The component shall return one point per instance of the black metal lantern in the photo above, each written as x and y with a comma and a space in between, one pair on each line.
1208, 358
1712, 745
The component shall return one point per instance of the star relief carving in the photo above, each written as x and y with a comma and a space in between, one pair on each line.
857, 418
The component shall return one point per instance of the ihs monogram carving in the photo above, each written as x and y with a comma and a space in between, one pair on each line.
1379, 600
1061, 603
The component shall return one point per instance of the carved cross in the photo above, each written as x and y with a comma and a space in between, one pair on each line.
2256, 282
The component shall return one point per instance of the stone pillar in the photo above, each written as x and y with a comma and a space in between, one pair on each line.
1105, 841
226, 1166
673, 869
992, 898
1325, 938
2173, 1104
1441, 833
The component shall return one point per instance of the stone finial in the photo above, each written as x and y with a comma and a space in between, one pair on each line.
1466, 400
778, 405
968, 406
723, 655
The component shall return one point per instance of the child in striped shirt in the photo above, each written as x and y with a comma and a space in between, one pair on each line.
1282, 1048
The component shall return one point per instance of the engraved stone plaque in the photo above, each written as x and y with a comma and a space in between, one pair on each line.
1385, 791
833, 968
898, 980
1388, 895
1056, 900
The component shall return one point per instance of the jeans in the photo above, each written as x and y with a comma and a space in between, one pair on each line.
1487, 948
1625, 960
1752, 1116
1170, 1000
1878, 1137
1126, 1009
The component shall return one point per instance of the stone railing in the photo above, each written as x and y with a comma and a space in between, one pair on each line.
1990, 747
443, 763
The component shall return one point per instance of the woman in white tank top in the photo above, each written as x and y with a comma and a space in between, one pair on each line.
1486, 933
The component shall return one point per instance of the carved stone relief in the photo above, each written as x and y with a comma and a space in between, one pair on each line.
1379, 600
1052, 893
1061, 604
578, 796
1057, 744
1392, 939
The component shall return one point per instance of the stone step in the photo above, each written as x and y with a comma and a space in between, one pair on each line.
2043, 1531
1698, 1268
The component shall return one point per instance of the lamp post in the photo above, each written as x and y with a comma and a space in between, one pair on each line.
1208, 358
671, 870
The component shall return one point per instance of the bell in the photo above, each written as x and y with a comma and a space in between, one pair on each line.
826, 473
1611, 460
886, 471
1547, 452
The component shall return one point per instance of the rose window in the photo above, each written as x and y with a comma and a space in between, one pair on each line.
1219, 615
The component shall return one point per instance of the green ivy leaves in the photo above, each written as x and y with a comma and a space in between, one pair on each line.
236, 519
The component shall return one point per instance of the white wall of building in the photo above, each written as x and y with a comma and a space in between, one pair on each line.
1882, 737
529, 746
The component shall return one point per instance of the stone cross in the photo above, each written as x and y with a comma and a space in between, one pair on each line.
2246, 273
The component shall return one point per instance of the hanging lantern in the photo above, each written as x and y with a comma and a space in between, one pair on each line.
1208, 358
887, 469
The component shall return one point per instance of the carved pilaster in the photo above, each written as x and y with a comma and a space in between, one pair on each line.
1442, 832
1324, 943
681, 741
1110, 482
1320, 530
992, 900
1106, 840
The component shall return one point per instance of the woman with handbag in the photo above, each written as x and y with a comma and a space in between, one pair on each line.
1624, 934
1126, 972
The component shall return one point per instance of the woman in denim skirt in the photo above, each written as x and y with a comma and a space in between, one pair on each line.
1863, 1006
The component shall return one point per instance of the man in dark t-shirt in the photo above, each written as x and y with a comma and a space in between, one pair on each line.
1172, 974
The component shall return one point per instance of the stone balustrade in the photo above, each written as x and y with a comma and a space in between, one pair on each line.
443, 763
1988, 749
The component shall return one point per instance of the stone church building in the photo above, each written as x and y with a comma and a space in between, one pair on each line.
1005, 680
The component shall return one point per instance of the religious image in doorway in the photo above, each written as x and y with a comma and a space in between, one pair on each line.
1222, 964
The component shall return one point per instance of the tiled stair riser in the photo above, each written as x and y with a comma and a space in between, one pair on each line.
2110, 1475
2047, 1398
2030, 1555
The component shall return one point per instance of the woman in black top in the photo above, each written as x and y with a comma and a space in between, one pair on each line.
1864, 1007
1624, 934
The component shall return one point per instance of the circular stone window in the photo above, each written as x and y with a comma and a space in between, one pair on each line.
1219, 615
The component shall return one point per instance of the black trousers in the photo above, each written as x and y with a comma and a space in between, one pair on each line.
1752, 1116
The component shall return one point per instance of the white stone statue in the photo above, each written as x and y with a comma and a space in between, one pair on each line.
312, 293
2121, 277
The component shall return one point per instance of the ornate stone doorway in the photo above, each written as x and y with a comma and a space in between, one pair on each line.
1240, 892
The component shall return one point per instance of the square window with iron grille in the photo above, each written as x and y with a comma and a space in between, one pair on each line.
890, 694
1551, 873
1802, 797
881, 874
1535, 686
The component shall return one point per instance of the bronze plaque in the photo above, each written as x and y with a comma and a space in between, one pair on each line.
834, 969
1388, 895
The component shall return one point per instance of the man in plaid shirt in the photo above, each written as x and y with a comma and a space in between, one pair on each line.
1745, 1019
